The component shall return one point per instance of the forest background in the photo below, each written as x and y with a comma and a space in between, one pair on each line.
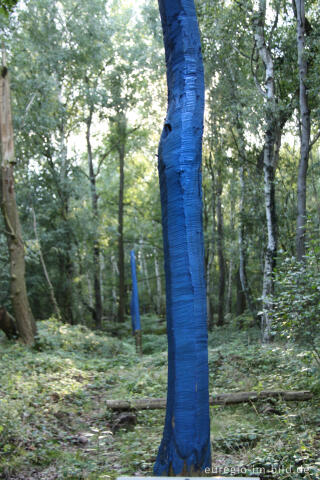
88, 95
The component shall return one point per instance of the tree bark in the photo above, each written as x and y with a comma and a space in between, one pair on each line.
67, 280
233, 398
115, 274
269, 172
158, 282
211, 283
185, 445
20, 303
97, 312
144, 268
134, 305
210, 274
221, 259
122, 287
241, 299
231, 251
305, 132
207, 254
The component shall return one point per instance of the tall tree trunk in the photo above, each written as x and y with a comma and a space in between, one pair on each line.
97, 312
221, 259
241, 299
207, 254
271, 250
122, 287
67, 281
208, 284
102, 269
185, 445
20, 303
231, 258
146, 274
67, 269
211, 284
115, 274
229, 291
158, 282
316, 196
212, 249
269, 172
90, 294
305, 131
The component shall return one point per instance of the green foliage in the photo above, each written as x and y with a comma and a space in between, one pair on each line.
297, 306
53, 336
7, 6
236, 441
68, 57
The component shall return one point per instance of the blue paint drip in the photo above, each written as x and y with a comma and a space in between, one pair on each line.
134, 306
185, 444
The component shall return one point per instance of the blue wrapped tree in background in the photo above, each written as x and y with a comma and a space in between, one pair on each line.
134, 305
185, 447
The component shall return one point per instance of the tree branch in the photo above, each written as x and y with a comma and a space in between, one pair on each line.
314, 140
254, 74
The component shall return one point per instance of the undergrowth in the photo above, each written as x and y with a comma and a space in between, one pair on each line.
54, 423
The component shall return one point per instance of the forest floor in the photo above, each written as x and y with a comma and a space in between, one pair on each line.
54, 423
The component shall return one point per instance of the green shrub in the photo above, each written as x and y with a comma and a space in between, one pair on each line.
297, 299
53, 335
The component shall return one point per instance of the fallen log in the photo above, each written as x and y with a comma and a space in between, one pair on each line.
218, 399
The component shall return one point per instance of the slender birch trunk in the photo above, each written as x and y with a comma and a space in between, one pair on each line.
207, 253
305, 131
97, 311
210, 272
269, 172
211, 283
220, 248
115, 274
241, 299
102, 269
122, 132
208, 283
158, 283
121, 293
20, 303
231, 252
67, 266
145, 272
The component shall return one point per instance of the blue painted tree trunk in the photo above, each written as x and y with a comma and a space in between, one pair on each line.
185, 447
134, 307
